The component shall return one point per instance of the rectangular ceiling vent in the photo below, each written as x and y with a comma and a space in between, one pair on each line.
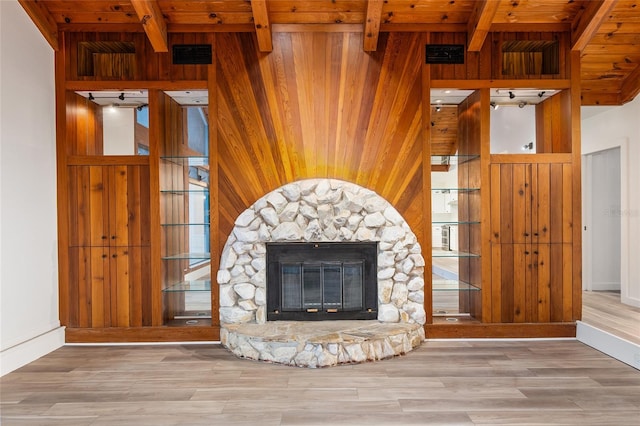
192, 54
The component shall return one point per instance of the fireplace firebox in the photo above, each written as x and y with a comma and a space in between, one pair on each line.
322, 281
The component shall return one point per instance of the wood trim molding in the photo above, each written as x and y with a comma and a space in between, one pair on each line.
500, 330
372, 25
141, 334
426, 185
530, 158
480, 22
43, 20
587, 23
502, 84
153, 23
108, 160
262, 25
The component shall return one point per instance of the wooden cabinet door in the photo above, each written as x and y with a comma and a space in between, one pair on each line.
89, 289
531, 235
109, 246
88, 206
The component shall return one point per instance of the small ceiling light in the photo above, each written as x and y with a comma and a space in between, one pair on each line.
121, 97
438, 108
527, 146
522, 104
140, 107
541, 94
511, 95
91, 98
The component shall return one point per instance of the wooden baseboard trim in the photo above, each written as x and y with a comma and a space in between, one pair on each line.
497, 330
142, 334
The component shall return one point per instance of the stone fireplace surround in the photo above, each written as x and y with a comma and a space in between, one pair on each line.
320, 210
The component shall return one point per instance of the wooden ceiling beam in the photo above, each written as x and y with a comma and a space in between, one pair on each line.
372, 25
630, 86
152, 21
262, 25
480, 22
45, 22
588, 21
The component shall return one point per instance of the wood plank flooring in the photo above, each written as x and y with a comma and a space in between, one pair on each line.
442, 382
603, 310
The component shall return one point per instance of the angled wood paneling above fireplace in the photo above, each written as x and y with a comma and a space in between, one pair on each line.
317, 107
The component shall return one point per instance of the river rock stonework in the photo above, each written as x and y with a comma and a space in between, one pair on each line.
321, 210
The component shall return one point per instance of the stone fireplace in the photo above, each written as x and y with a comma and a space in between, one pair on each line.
325, 213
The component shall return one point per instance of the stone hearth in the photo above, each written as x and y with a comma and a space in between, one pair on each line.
321, 344
321, 210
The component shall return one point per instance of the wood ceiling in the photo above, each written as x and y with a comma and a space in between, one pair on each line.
607, 32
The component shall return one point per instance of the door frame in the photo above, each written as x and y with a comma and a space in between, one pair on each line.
587, 217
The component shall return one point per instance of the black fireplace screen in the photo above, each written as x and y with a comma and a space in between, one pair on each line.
321, 281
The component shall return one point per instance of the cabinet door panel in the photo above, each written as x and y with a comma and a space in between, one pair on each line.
543, 283
120, 286
88, 204
100, 300
89, 298
542, 204
118, 206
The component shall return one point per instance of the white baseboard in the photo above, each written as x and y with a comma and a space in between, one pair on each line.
616, 347
23, 353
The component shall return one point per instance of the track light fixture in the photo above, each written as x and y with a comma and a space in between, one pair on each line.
527, 146
141, 107
438, 108
91, 98
494, 105
541, 94
121, 97
522, 104
511, 95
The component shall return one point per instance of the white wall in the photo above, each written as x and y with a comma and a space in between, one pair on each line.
118, 131
511, 128
29, 325
604, 128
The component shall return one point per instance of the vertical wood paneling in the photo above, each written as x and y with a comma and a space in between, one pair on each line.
532, 267
318, 106
109, 278
543, 283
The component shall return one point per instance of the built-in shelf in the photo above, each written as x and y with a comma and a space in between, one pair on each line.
193, 285
452, 285
187, 256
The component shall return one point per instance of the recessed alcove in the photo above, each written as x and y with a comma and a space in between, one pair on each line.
530, 57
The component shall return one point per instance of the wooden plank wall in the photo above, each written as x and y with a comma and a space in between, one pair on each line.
553, 128
318, 106
84, 135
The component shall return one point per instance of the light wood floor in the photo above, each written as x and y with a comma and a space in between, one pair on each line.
442, 382
603, 310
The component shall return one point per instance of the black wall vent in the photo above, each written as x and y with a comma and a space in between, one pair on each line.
445, 53
192, 54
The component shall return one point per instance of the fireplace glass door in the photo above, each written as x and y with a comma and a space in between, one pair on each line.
321, 281
330, 286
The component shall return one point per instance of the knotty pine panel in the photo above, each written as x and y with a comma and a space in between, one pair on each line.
318, 106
